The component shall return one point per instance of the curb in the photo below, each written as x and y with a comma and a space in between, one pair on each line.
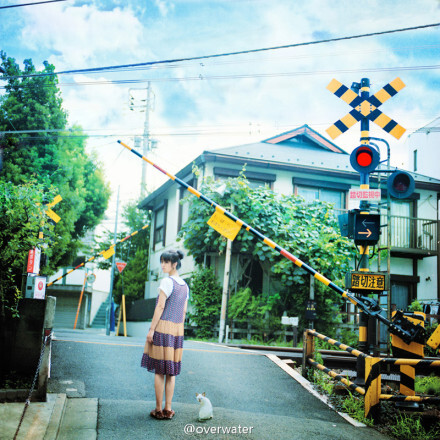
306, 384
57, 416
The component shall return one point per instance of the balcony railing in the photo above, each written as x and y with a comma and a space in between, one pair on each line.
411, 235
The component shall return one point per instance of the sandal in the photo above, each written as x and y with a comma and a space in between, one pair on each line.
156, 414
168, 414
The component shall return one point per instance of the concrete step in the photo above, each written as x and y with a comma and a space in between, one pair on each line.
79, 421
41, 420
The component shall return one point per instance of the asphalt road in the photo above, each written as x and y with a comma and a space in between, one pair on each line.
251, 396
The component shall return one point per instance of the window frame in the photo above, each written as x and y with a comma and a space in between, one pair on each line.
164, 206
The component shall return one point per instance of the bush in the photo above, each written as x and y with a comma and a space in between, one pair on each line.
205, 298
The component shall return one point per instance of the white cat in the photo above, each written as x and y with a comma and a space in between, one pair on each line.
205, 412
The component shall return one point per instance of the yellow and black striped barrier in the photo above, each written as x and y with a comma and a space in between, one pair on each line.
107, 253
373, 381
351, 385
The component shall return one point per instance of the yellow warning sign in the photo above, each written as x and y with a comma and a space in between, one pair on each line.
108, 253
224, 225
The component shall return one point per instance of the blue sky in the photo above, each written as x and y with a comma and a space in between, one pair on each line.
225, 101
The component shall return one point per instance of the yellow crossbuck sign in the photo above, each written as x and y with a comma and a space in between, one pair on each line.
51, 214
366, 108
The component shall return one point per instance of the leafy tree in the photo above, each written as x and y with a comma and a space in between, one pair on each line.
205, 298
308, 230
20, 218
55, 157
134, 251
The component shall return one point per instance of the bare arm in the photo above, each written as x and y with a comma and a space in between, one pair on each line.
157, 315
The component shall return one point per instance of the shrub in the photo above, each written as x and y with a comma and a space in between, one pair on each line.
206, 301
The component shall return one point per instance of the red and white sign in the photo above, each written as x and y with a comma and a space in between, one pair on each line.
40, 287
33, 264
364, 194
121, 266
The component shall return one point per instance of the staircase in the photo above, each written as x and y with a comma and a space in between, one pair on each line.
99, 319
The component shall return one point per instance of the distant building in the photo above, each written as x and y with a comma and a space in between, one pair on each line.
305, 163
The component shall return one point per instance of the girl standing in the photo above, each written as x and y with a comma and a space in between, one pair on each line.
164, 345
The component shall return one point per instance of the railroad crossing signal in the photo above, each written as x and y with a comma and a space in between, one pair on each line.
51, 214
364, 159
401, 184
366, 228
366, 108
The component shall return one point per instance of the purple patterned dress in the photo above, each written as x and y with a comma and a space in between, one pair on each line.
164, 355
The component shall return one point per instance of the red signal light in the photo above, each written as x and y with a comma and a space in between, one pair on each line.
364, 158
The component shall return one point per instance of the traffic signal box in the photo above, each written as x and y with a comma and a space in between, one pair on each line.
363, 228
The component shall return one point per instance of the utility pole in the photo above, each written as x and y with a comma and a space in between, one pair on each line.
145, 106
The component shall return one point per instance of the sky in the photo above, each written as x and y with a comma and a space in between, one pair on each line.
224, 101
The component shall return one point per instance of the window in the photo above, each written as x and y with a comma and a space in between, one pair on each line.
160, 219
415, 159
184, 207
310, 194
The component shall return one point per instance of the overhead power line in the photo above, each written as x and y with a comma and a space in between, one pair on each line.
31, 4
227, 54
202, 77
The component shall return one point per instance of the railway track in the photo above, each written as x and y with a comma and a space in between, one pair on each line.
333, 359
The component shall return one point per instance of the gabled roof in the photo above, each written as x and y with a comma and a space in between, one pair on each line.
306, 136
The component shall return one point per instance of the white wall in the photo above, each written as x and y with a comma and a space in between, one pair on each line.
428, 153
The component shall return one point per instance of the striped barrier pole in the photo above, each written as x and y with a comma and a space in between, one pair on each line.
372, 388
424, 399
267, 241
308, 350
337, 376
107, 253
338, 344
413, 362
414, 350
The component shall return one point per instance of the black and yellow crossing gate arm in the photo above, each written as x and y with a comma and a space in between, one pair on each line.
407, 331
106, 254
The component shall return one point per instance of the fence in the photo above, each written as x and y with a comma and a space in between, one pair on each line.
245, 330
373, 365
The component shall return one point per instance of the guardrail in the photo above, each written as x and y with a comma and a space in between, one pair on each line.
373, 365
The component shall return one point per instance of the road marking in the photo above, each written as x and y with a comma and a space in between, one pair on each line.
139, 345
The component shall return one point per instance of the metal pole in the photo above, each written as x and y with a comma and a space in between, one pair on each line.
221, 332
110, 296
146, 143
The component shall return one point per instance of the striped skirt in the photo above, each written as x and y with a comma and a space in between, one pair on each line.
164, 355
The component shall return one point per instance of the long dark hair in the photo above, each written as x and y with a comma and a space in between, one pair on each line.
173, 256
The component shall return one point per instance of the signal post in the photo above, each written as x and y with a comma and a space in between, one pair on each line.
363, 224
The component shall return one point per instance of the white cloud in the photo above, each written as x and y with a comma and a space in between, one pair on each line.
85, 37
245, 109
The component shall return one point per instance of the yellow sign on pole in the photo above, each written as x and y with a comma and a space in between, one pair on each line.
224, 225
108, 253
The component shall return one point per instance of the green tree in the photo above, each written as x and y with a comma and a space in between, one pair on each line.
54, 156
134, 251
307, 230
20, 216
